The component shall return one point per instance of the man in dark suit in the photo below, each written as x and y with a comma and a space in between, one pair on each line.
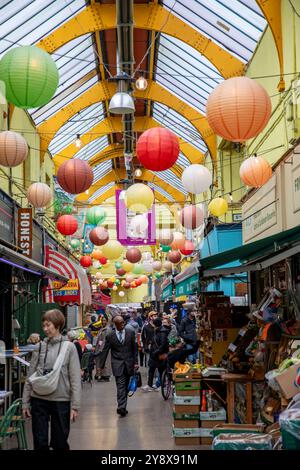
121, 341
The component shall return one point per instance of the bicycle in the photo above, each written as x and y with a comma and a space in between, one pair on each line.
167, 382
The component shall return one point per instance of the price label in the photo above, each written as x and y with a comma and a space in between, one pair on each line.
232, 347
242, 332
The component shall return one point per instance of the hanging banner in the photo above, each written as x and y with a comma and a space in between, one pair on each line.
24, 240
124, 219
87, 246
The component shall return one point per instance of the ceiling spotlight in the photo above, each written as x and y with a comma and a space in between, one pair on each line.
138, 172
87, 192
78, 142
121, 103
141, 83
230, 197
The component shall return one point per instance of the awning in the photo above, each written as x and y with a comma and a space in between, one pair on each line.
18, 260
167, 289
187, 282
254, 256
78, 290
254, 250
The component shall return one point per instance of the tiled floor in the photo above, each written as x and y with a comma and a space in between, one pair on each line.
148, 424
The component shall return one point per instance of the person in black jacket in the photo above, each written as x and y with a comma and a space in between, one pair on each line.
187, 331
158, 353
148, 334
178, 352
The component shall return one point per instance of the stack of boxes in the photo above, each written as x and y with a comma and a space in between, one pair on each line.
191, 425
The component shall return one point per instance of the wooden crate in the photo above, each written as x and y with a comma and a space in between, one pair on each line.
187, 441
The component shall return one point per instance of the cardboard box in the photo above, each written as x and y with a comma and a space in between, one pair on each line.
187, 441
210, 425
287, 381
187, 400
206, 441
186, 423
190, 388
186, 432
238, 428
187, 409
219, 415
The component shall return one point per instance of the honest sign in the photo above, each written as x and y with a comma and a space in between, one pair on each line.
25, 231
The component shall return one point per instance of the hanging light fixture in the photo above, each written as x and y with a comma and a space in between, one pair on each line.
122, 102
138, 172
78, 142
141, 83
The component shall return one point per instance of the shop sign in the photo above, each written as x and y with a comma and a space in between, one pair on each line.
68, 293
6, 217
24, 240
187, 286
167, 292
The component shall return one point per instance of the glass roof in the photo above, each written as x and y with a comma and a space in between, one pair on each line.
182, 161
185, 72
236, 25
169, 177
29, 22
179, 125
101, 170
101, 191
161, 191
81, 123
91, 149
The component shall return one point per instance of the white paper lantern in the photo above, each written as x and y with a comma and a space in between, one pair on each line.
167, 266
196, 179
147, 256
157, 265
96, 265
138, 226
98, 275
148, 267
39, 194
121, 293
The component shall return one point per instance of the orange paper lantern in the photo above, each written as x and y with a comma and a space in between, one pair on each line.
255, 172
238, 109
178, 241
13, 149
39, 194
75, 176
97, 255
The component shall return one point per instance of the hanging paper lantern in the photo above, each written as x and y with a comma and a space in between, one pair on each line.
104, 285
174, 256
121, 293
13, 148
157, 149
157, 265
30, 76
188, 248
118, 265
238, 109
117, 282
115, 288
103, 260
95, 215
133, 284
127, 266
67, 224
39, 194
144, 279
112, 249
158, 275
123, 283
165, 248
148, 267
120, 272
96, 264
255, 172
97, 254
75, 176
86, 261
98, 275
196, 179
167, 266
178, 241
110, 284
138, 268
138, 225
99, 236
191, 217
75, 243
139, 198
218, 206
129, 278
127, 285
146, 255
138, 282
165, 237
112, 279
133, 255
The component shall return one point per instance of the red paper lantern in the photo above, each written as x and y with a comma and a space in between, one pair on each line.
188, 248
133, 255
99, 236
120, 272
103, 260
110, 284
75, 176
157, 149
191, 217
86, 261
127, 285
67, 224
238, 109
133, 284
139, 282
174, 256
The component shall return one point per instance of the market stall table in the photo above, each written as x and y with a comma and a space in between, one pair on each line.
8, 356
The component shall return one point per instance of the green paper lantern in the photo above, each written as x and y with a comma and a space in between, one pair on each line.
165, 248
118, 265
30, 76
75, 243
117, 282
138, 268
96, 215
158, 275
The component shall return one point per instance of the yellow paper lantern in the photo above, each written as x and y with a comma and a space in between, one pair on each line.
127, 266
218, 206
139, 198
112, 249
112, 279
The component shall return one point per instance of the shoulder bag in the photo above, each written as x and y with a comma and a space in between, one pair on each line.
47, 384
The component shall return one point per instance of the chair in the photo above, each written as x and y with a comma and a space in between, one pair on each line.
85, 367
13, 424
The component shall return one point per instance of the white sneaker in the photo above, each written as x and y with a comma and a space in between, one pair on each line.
156, 388
147, 388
